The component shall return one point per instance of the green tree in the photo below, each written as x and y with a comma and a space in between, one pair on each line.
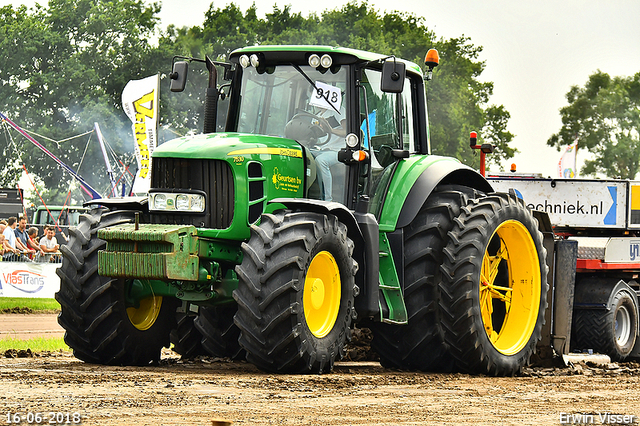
68, 65
604, 118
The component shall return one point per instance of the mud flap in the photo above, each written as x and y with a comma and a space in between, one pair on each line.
564, 290
556, 332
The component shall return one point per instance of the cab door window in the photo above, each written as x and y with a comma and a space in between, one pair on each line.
390, 127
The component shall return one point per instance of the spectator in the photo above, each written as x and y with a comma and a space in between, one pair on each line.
3, 225
22, 237
10, 238
32, 243
48, 243
3, 243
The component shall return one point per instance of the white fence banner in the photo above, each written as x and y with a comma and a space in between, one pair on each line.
28, 279
140, 103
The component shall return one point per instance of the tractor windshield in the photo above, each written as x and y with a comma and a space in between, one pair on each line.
271, 98
304, 104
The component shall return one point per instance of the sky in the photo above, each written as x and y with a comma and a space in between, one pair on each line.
534, 51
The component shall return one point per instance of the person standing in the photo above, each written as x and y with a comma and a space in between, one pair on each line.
49, 243
32, 243
3, 246
22, 237
10, 238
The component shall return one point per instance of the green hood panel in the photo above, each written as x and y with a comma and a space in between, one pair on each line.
225, 145
263, 168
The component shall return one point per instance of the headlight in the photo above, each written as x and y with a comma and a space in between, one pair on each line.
314, 61
171, 202
160, 202
182, 202
352, 140
255, 60
326, 61
197, 203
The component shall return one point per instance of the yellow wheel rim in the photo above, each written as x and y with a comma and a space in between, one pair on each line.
146, 314
510, 287
321, 294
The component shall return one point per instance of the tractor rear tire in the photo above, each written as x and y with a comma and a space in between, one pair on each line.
186, 339
419, 345
100, 328
219, 332
296, 292
494, 287
611, 332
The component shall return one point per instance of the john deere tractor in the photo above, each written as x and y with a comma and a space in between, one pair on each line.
318, 207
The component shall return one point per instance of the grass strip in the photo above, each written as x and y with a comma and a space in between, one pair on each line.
36, 344
27, 304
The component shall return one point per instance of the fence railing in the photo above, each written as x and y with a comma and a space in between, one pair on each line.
35, 258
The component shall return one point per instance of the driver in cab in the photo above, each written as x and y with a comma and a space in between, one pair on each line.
323, 132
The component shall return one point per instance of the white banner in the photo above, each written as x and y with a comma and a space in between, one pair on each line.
28, 279
140, 103
567, 163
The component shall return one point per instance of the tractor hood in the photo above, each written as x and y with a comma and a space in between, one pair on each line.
226, 145
238, 172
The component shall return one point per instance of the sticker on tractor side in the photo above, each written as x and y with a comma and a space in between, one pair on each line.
287, 152
284, 182
327, 97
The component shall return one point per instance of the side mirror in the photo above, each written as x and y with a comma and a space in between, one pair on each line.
178, 76
393, 76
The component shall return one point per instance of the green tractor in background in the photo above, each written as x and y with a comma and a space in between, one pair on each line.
318, 207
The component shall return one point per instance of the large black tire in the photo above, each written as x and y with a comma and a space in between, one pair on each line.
99, 326
186, 339
419, 345
219, 332
296, 292
494, 287
611, 332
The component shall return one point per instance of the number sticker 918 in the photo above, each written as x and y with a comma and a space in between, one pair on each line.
327, 97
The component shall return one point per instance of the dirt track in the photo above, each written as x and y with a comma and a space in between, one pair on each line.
26, 326
357, 393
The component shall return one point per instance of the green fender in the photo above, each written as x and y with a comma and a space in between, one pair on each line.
414, 180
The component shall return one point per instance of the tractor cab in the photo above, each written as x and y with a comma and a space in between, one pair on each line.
353, 113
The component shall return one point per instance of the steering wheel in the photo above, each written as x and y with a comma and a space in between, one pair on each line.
305, 127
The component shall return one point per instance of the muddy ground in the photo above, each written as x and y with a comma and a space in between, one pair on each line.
196, 392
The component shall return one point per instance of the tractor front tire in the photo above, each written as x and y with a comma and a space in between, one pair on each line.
219, 332
494, 287
100, 328
186, 338
296, 292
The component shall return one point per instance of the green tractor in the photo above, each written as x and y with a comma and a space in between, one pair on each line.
318, 207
